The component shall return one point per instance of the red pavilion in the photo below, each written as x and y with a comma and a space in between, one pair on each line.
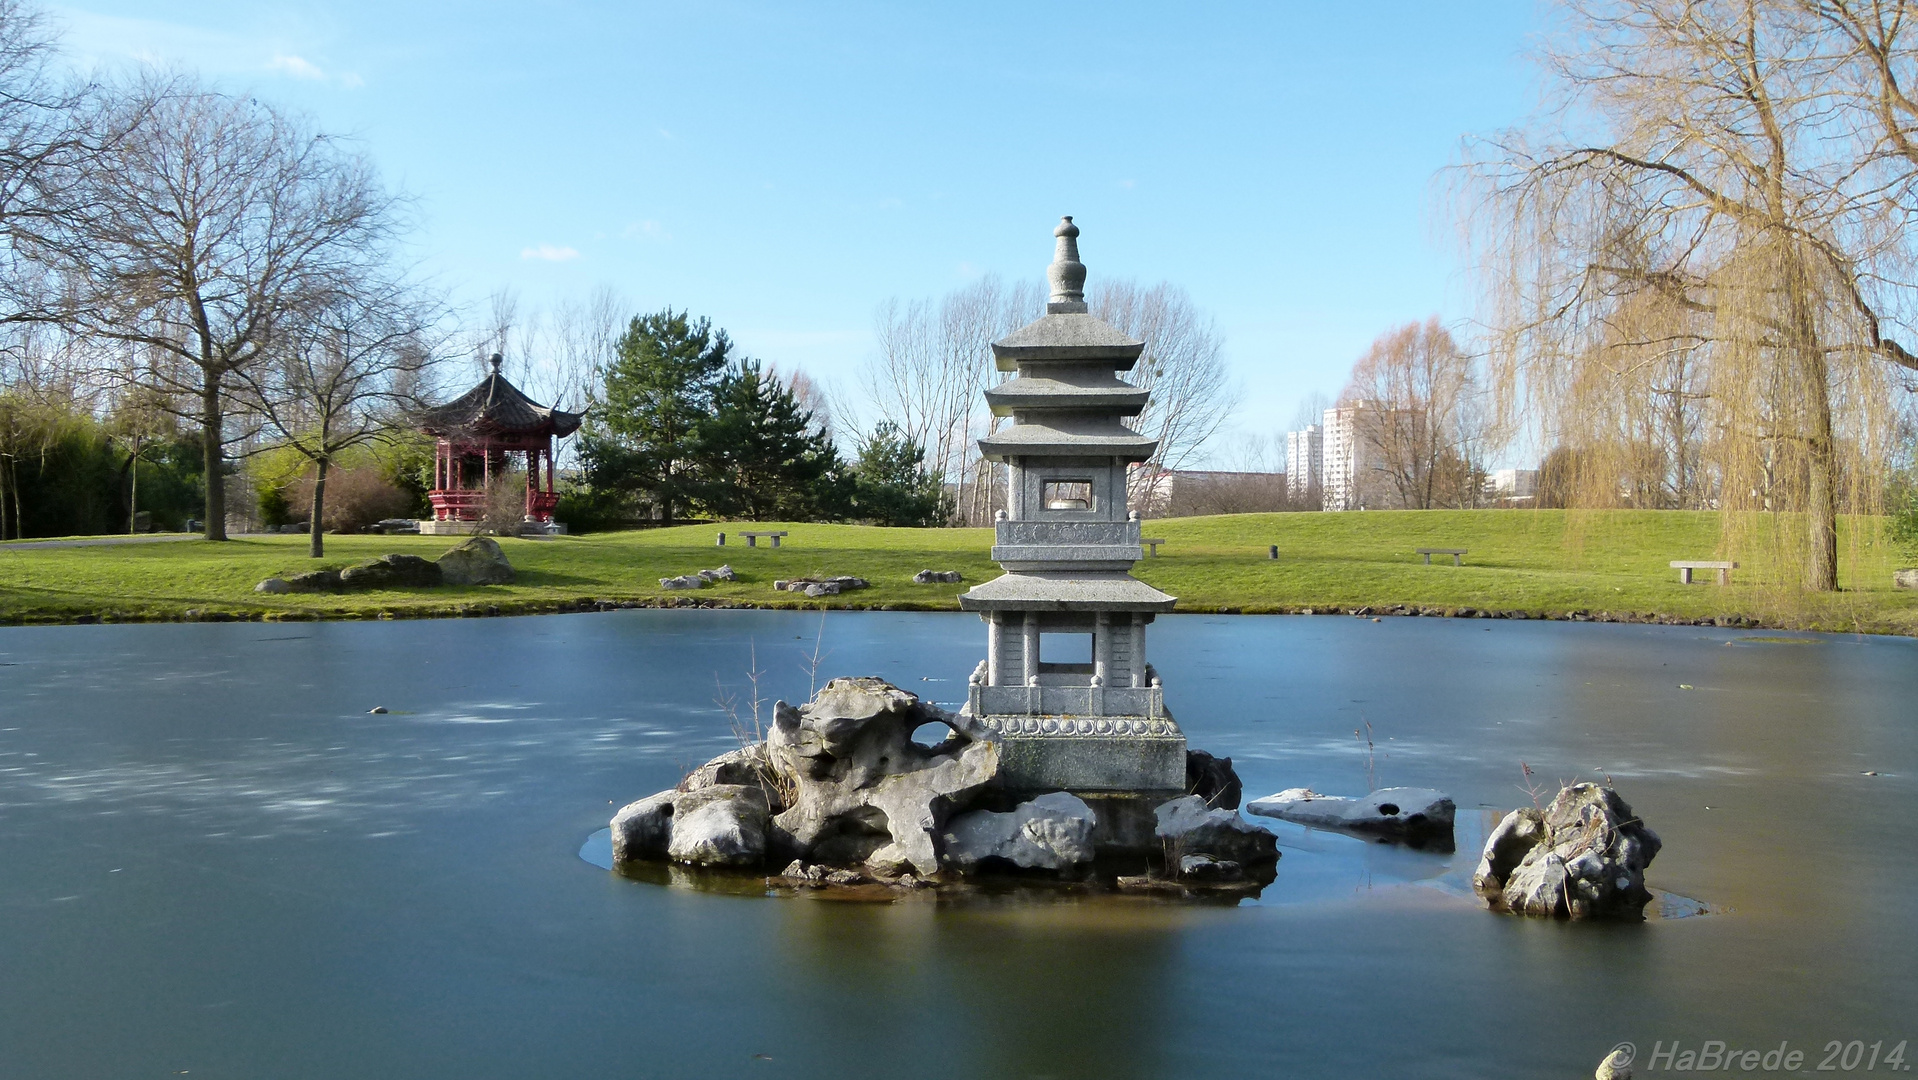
478, 436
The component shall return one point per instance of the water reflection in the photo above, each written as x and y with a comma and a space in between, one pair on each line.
208, 838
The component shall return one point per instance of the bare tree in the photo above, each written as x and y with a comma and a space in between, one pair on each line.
351, 373
44, 148
211, 228
931, 371
1183, 365
1751, 170
1420, 394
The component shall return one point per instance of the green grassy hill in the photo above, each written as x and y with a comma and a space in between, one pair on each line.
1538, 563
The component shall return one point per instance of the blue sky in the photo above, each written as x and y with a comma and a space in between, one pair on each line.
785, 168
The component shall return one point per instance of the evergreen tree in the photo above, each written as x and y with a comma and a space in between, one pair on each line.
891, 485
643, 434
758, 455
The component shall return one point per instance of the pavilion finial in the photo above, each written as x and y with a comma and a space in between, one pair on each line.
1067, 274
496, 361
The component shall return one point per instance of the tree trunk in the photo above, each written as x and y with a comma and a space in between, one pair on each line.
315, 534
1821, 509
1821, 490
212, 425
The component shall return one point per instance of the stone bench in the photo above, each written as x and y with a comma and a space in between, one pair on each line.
1456, 553
1151, 546
1686, 566
752, 538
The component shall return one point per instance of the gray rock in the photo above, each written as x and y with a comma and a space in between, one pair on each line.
717, 825
1052, 832
478, 561
1584, 856
831, 586
1207, 868
722, 825
748, 765
684, 581
276, 586
934, 577
722, 573
1187, 827
1417, 814
861, 792
315, 581
391, 572
643, 829
1905, 579
1212, 779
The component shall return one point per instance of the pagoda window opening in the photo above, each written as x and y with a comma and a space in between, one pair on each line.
1067, 494
1065, 653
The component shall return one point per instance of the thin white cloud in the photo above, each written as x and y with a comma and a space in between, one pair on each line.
95, 40
549, 253
297, 66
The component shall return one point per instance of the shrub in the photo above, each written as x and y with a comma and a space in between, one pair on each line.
355, 498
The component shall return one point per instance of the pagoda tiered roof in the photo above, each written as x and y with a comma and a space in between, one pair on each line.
497, 408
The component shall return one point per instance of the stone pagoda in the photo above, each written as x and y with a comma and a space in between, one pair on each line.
1065, 685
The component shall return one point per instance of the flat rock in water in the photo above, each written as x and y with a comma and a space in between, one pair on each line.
478, 561
717, 825
1187, 827
1411, 813
1052, 832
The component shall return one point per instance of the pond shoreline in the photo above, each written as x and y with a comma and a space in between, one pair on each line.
584, 605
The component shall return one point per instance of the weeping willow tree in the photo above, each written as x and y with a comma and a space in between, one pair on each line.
1699, 262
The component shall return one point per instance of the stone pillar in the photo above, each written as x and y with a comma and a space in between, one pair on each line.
995, 623
1138, 650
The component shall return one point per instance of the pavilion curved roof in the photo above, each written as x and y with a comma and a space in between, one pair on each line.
497, 407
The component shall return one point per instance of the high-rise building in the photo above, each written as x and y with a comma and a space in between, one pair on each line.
1355, 475
1305, 463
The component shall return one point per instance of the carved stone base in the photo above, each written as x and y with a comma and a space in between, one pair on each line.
1088, 754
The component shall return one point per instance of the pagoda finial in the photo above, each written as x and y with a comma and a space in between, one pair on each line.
496, 361
1067, 274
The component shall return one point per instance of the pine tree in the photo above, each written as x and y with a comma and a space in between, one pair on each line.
758, 455
643, 434
892, 485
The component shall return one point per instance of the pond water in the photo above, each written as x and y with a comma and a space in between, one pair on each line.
215, 863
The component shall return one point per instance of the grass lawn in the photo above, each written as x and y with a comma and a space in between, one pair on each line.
1540, 563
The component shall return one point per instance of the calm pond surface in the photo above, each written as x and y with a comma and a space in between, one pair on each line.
215, 863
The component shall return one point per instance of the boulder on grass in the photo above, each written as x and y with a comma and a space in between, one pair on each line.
478, 561
722, 573
934, 577
392, 572
1582, 857
683, 581
273, 585
315, 581
1052, 832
